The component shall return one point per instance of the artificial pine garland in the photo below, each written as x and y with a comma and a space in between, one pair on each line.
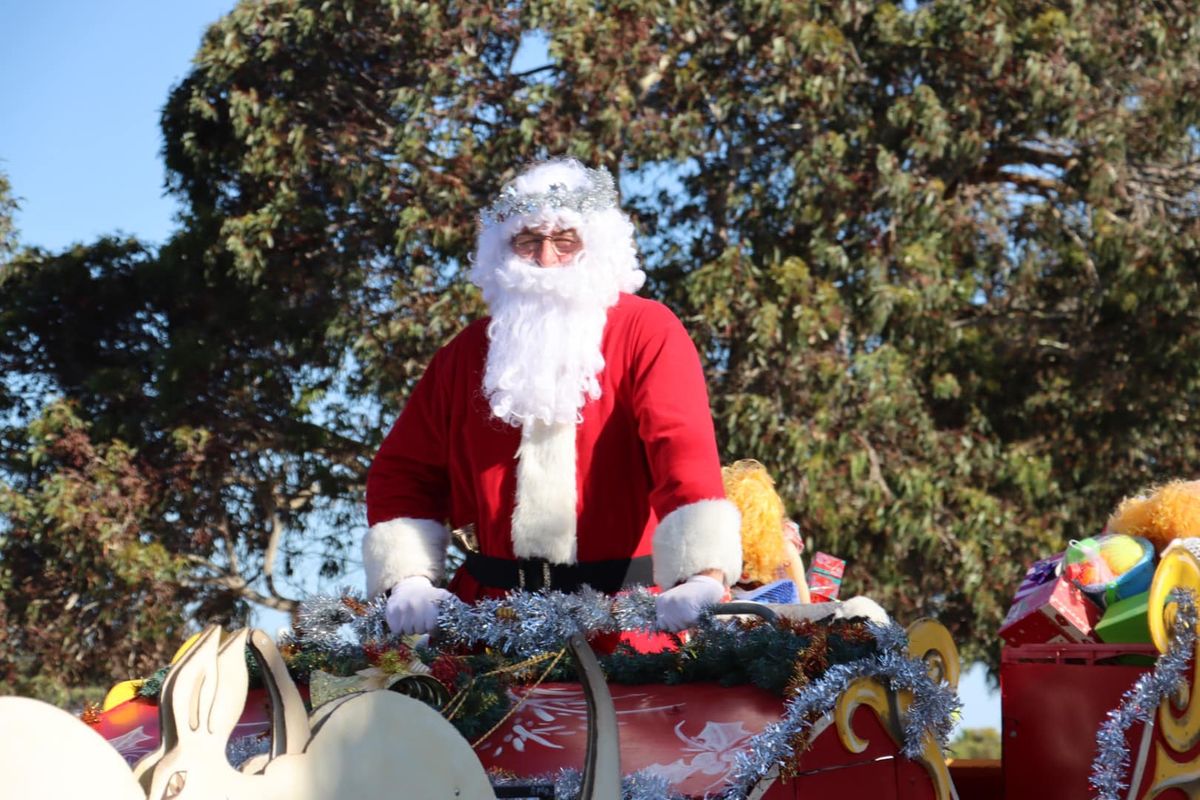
779, 657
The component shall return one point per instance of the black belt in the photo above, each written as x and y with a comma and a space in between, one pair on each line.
532, 574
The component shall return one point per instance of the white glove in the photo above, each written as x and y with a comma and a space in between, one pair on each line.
412, 606
680, 607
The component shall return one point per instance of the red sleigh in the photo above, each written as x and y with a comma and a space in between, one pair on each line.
1055, 697
688, 735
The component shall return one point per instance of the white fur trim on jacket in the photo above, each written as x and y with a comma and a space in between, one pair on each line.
543, 523
695, 537
403, 547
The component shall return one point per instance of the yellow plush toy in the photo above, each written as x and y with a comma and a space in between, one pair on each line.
1169, 512
768, 552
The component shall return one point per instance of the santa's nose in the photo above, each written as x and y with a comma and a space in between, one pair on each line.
548, 256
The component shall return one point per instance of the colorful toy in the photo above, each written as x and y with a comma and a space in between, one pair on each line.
1084, 566
1165, 513
1110, 567
1121, 552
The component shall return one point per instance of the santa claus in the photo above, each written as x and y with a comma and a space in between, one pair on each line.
571, 428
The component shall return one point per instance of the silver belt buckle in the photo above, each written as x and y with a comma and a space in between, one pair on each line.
545, 575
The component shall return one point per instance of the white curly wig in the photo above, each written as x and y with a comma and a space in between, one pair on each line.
547, 323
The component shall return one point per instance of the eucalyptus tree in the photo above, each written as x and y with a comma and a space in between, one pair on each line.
940, 260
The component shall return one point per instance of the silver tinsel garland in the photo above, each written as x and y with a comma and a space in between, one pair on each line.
1141, 701
932, 709
321, 618
243, 748
599, 194
525, 624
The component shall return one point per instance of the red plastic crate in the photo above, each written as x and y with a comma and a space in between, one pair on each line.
1053, 699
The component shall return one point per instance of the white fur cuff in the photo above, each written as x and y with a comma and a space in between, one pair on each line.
699, 536
402, 547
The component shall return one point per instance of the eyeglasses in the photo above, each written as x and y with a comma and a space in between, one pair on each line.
564, 243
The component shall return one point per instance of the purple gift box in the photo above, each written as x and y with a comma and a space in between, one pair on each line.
1041, 573
1048, 608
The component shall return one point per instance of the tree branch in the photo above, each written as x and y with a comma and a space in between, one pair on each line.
303, 498
535, 70
1046, 187
876, 473
270, 553
237, 584
981, 319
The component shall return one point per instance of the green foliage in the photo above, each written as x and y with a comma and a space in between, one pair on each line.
75, 698
74, 541
8, 206
940, 259
981, 743
214, 381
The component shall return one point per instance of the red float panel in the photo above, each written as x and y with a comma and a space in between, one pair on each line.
977, 778
1053, 699
132, 727
689, 734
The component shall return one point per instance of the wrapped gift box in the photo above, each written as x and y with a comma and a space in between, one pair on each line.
1051, 612
825, 577
1041, 573
1125, 621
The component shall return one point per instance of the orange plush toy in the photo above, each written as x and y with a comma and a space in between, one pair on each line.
1170, 512
770, 545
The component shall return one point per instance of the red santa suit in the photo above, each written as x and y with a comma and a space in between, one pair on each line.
637, 475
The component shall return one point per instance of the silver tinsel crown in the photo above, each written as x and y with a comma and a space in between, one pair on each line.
599, 194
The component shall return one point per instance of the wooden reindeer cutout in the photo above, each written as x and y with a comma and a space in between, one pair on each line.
375, 744
52, 755
370, 745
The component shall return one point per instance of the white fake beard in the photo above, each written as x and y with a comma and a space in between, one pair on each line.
545, 338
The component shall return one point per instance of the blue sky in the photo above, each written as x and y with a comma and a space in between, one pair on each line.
81, 88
